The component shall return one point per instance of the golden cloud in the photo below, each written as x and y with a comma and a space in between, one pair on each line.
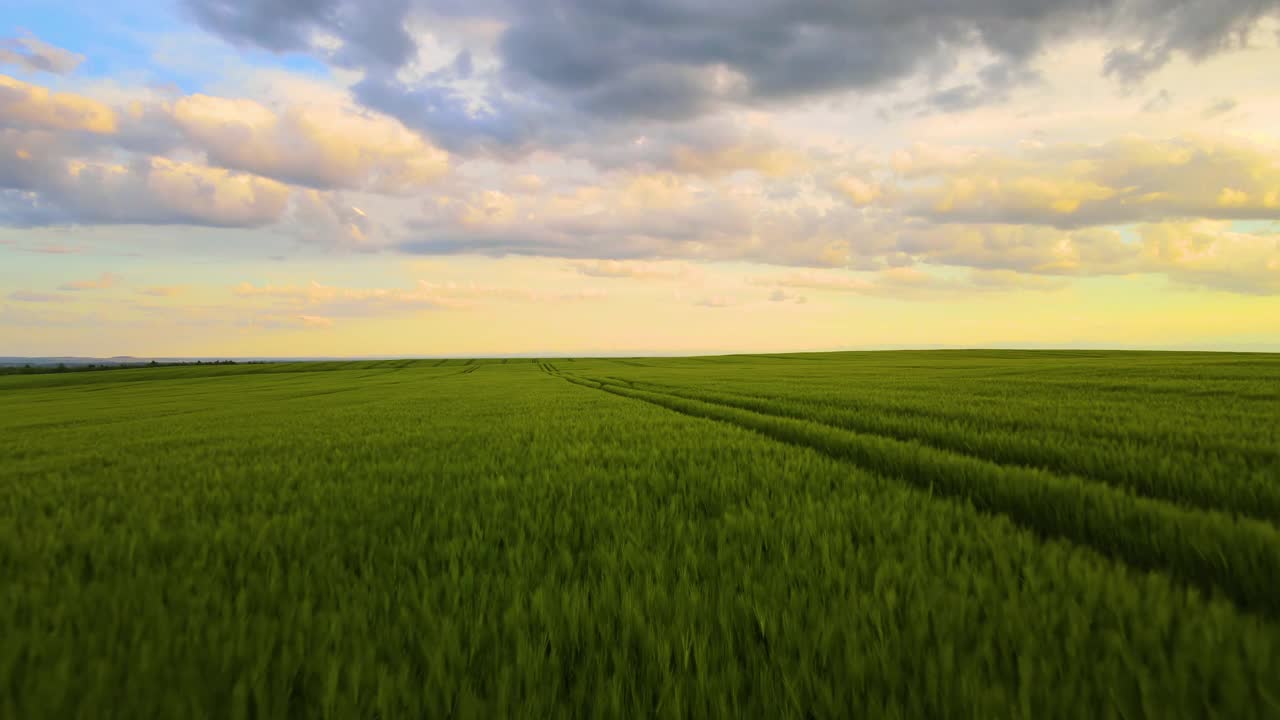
1127, 180
768, 160
27, 105
318, 146
215, 195
1211, 254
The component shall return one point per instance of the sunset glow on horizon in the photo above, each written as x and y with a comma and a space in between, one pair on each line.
275, 178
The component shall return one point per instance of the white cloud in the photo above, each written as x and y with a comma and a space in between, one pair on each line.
33, 54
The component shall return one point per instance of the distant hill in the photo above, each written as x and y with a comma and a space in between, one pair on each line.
75, 360
70, 360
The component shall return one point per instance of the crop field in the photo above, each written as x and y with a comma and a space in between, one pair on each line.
949, 534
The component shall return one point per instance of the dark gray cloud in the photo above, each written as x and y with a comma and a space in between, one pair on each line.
372, 31
995, 83
567, 62
452, 120
1195, 28
280, 25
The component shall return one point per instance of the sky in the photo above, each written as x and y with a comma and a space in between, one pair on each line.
239, 178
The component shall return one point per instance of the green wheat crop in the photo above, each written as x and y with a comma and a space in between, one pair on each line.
881, 535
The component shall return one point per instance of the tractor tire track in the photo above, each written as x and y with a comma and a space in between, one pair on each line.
1239, 492
1238, 558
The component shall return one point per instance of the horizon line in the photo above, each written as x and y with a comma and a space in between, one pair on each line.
1223, 350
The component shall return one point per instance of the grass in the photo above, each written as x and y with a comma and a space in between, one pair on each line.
927, 534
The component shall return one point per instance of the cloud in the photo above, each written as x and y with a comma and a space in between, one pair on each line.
718, 301
1194, 29
651, 216
760, 155
36, 297
161, 291
1067, 185
371, 32
820, 280
319, 300
320, 147
315, 321
1013, 280
32, 106
54, 250
67, 158
105, 281
785, 50
41, 185
327, 218
270, 321
905, 283
1210, 254
1201, 253
631, 269
1159, 102
1220, 107
1013, 219
650, 61
35, 55
994, 84
709, 147
501, 124
330, 301
781, 296
193, 194
860, 192
623, 191
1022, 248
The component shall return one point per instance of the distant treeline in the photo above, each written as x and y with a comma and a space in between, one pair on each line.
42, 369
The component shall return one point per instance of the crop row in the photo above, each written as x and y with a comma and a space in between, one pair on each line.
1237, 556
1234, 425
1214, 481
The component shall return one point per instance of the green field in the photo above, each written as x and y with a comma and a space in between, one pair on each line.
902, 534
